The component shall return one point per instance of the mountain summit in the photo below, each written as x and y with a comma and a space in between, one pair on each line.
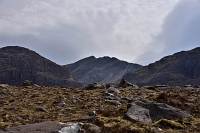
18, 64
103, 70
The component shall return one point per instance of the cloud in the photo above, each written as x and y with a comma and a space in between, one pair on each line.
180, 31
66, 30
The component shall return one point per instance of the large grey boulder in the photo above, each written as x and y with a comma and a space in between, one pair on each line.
138, 114
147, 111
163, 111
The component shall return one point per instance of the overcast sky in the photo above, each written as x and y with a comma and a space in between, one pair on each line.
140, 31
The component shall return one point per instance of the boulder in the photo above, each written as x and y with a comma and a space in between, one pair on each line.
163, 111
138, 114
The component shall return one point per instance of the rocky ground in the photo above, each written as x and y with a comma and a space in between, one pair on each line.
96, 109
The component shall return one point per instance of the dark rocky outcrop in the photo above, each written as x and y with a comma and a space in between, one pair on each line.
179, 69
102, 70
18, 64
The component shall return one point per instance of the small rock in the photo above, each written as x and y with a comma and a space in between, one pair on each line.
41, 109
61, 104
27, 83
113, 90
71, 128
94, 86
4, 85
113, 102
123, 83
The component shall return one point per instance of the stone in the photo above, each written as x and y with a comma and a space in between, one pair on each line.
138, 114
4, 85
163, 111
40, 109
113, 90
123, 83
27, 83
44, 127
113, 102
93, 86
91, 128
71, 128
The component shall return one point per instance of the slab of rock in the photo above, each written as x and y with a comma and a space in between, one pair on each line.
138, 114
45, 127
163, 111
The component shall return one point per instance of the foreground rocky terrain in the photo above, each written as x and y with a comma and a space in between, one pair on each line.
98, 109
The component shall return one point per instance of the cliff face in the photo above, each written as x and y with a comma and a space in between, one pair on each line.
102, 70
179, 69
18, 64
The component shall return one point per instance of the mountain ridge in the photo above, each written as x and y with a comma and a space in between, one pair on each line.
18, 64
180, 68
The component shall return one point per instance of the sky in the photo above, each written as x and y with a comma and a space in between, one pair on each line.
138, 31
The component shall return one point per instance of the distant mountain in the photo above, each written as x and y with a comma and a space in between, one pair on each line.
179, 69
102, 70
18, 64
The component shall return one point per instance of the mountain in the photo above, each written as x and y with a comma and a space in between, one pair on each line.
179, 69
18, 64
103, 70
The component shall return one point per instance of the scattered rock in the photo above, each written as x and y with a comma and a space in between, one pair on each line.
94, 86
113, 90
113, 102
40, 109
35, 85
138, 114
123, 83
4, 85
71, 128
91, 128
27, 83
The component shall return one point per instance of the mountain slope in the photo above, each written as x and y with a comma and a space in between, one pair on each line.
18, 64
179, 69
103, 70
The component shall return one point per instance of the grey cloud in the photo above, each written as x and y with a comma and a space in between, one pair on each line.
65, 31
181, 31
